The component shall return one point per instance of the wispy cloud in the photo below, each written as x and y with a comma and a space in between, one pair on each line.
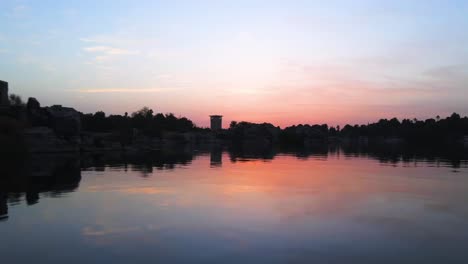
123, 90
105, 53
107, 40
120, 39
110, 46
110, 50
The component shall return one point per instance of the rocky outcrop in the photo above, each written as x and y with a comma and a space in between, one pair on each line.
45, 140
37, 116
53, 129
65, 121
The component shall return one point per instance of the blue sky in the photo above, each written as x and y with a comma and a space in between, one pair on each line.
278, 61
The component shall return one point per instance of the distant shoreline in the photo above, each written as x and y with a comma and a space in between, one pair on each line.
31, 128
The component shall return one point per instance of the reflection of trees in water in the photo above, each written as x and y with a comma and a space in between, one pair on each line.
450, 156
3, 207
391, 154
170, 159
145, 162
251, 150
29, 178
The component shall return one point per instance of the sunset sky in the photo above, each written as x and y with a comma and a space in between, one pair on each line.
284, 62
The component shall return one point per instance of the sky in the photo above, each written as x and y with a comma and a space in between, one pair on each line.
283, 62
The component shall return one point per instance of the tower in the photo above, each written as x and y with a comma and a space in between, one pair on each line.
216, 122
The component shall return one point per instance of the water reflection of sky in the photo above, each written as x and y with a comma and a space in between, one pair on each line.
337, 209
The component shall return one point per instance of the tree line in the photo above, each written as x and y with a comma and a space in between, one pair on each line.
451, 128
153, 124
145, 120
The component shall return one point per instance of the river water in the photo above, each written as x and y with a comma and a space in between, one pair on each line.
221, 207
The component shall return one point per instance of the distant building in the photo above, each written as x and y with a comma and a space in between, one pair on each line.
216, 122
4, 101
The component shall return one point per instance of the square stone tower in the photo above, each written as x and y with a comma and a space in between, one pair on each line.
4, 101
216, 122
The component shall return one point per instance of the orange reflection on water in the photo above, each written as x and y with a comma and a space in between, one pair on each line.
257, 194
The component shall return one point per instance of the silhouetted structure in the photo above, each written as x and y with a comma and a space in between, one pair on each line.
4, 101
39, 129
216, 122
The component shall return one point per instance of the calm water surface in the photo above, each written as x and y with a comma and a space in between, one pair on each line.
221, 208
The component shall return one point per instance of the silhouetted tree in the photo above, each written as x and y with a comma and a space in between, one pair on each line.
16, 100
143, 120
438, 130
144, 112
